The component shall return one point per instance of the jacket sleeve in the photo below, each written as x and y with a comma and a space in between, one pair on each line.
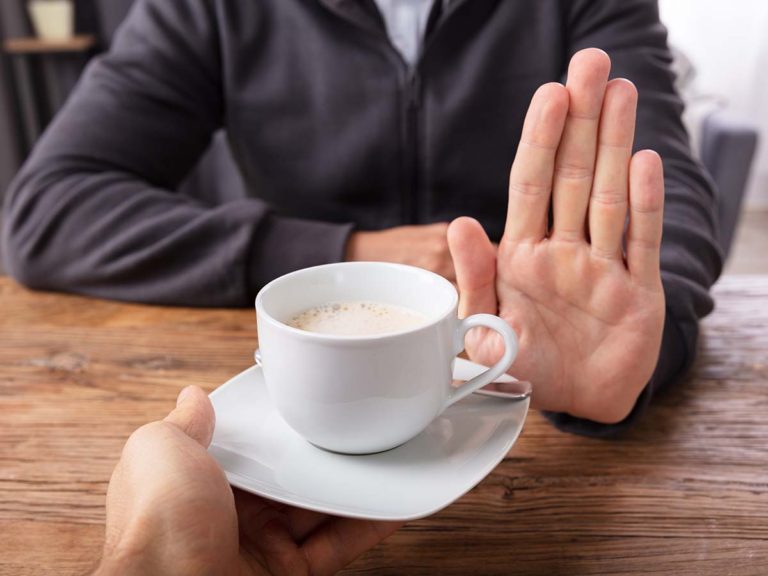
94, 209
631, 33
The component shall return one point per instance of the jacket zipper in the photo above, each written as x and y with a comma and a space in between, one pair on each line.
410, 192
411, 201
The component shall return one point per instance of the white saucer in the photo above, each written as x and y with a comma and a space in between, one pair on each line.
261, 454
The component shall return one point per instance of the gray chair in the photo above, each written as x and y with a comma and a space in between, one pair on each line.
728, 145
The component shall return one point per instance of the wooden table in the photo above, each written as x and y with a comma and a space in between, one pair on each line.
685, 493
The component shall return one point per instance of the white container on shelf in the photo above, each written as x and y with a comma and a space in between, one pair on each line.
53, 19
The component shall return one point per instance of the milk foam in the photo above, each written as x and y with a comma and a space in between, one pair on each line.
358, 318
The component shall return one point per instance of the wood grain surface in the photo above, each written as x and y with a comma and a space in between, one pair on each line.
685, 492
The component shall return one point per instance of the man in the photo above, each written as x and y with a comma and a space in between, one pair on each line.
353, 147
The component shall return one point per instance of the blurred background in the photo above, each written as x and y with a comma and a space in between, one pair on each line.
721, 50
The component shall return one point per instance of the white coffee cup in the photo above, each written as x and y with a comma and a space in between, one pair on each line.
365, 394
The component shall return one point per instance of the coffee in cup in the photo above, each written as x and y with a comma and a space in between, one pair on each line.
357, 318
350, 385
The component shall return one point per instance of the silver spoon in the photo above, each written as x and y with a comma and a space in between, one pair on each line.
515, 391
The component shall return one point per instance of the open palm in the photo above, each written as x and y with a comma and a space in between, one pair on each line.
582, 289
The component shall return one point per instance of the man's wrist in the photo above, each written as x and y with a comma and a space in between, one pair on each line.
350, 251
356, 247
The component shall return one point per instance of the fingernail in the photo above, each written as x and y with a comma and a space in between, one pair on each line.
183, 395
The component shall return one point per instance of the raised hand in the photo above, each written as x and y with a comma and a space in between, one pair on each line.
584, 293
170, 510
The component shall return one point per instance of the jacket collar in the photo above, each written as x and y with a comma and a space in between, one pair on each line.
362, 13
365, 14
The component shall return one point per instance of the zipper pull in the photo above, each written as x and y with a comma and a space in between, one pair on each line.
414, 89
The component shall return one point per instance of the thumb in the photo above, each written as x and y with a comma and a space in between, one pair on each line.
194, 415
474, 258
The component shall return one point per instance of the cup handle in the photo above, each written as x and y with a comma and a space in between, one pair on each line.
510, 352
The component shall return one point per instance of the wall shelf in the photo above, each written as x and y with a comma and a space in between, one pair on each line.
33, 45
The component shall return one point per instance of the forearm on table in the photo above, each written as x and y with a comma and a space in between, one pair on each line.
112, 236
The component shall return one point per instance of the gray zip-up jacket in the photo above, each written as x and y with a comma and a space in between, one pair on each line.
331, 130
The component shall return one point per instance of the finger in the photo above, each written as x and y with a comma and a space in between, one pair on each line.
646, 218
266, 534
575, 162
254, 512
530, 181
608, 203
303, 522
194, 415
474, 259
337, 543
258, 510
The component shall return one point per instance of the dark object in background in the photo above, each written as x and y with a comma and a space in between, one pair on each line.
86, 18
33, 84
10, 152
728, 147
